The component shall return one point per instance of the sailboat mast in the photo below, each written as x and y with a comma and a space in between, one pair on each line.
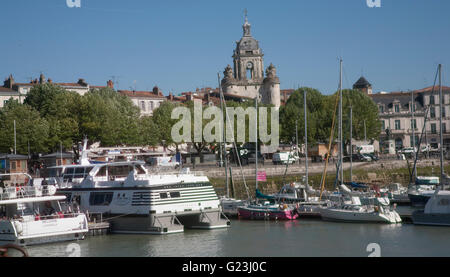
440, 122
413, 127
351, 147
341, 150
256, 141
223, 146
306, 138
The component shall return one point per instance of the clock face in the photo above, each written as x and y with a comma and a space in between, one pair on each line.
249, 65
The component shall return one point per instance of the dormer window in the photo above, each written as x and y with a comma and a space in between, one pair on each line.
397, 108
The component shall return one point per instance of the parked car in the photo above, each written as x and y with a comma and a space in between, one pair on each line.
409, 150
358, 158
285, 158
251, 158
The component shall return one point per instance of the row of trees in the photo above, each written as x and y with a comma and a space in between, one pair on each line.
51, 116
320, 111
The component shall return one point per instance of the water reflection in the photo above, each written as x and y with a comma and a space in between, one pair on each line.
304, 237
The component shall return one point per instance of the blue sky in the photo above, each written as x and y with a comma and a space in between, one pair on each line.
181, 45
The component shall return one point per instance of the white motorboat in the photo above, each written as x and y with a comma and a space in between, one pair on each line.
437, 211
34, 215
357, 212
134, 201
396, 193
230, 206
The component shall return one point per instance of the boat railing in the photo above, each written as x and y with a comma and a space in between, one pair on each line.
37, 217
21, 192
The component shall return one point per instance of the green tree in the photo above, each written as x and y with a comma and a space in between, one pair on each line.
31, 129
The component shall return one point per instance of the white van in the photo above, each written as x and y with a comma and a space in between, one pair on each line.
366, 149
285, 158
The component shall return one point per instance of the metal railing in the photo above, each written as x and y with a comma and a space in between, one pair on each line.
21, 192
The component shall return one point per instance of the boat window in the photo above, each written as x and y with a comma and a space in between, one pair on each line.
175, 194
69, 171
119, 171
100, 198
140, 170
79, 170
163, 195
444, 202
102, 171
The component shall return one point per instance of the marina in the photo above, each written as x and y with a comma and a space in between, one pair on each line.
137, 135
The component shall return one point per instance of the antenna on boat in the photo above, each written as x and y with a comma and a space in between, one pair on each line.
84, 153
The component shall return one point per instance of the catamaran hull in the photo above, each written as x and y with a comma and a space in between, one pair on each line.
28, 241
421, 218
261, 214
160, 224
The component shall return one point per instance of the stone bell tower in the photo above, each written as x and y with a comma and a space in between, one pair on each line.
246, 77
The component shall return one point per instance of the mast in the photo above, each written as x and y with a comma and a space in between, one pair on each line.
413, 127
223, 146
15, 141
440, 122
306, 138
351, 148
340, 124
256, 141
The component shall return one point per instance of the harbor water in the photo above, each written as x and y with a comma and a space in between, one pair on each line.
300, 238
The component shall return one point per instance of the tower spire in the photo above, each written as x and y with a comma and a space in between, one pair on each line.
246, 25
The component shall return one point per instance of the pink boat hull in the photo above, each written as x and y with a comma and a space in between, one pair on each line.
262, 214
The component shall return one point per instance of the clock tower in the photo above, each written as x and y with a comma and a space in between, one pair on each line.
246, 77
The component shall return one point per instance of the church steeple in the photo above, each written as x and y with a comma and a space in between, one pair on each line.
246, 26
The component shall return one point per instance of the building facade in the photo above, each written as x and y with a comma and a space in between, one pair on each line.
402, 114
147, 101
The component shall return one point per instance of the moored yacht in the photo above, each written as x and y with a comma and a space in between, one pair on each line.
436, 212
357, 212
35, 215
134, 201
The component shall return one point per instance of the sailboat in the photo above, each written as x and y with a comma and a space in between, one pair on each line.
423, 187
374, 210
265, 210
229, 205
437, 208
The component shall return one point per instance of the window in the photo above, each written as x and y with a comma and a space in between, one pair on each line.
443, 112
100, 198
143, 106
432, 112
175, 194
444, 128
433, 128
432, 100
13, 165
397, 125
163, 195
413, 107
381, 109
397, 108
151, 106
413, 124
383, 126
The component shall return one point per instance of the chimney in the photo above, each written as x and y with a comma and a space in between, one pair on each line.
170, 96
41, 79
82, 82
189, 97
110, 84
9, 83
50, 81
